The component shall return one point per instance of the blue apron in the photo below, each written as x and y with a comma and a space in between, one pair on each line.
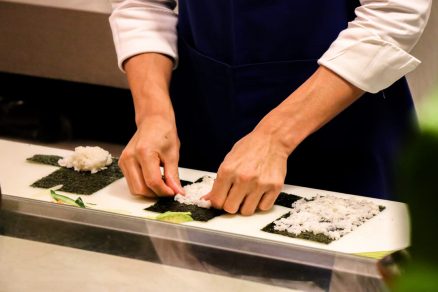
240, 58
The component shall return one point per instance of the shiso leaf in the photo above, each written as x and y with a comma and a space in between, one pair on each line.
66, 200
175, 217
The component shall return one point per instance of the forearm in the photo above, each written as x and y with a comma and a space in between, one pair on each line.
307, 109
149, 77
155, 143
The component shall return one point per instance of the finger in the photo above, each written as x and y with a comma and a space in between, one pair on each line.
235, 198
134, 177
249, 206
219, 191
268, 200
150, 166
171, 176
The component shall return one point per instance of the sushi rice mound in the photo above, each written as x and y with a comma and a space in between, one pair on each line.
194, 192
328, 215
87, 158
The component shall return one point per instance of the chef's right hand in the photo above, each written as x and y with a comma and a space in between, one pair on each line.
154, 143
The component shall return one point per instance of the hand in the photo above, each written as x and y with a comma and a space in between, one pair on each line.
251, 176
155, 143
156, 140
253, 173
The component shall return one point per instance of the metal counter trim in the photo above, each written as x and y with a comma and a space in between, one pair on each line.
192, 235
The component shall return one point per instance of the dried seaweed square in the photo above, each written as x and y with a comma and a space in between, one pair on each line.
45, 159
185, 182
321, 238
198, 213
82, 183
204, 214
324, 218
286, 200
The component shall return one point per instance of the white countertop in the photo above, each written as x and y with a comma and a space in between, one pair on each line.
387, 231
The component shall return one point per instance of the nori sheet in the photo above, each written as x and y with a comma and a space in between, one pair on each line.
202, 214
45, 159
198, 180
321, 238
81, 183
283, 199
286, 200
304, 235
199, 214
165, 204
185, 182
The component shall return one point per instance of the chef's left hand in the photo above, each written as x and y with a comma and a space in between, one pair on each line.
251, 175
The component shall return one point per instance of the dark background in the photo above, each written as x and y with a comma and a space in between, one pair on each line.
48, 110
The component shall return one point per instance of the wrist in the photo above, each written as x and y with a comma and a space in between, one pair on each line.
281, 130
154, 108
312, 105
149, 76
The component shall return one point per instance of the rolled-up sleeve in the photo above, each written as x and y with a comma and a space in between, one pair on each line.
373, 51
143, 27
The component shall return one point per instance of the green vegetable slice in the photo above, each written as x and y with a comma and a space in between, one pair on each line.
175, 217
80, 203
66, 200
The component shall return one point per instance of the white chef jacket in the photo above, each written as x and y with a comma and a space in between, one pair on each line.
378, 39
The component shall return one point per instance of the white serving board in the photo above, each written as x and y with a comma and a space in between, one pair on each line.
387, 231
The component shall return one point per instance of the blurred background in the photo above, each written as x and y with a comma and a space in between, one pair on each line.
59, 80
60, 86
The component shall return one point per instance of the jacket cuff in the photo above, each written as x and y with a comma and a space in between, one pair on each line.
131, 39
370, 64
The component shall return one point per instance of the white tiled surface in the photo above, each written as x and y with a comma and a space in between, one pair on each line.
34, 266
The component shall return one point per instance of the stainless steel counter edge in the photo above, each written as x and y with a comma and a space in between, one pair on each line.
343, 263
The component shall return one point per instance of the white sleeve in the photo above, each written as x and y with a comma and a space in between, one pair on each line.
141, 26
373, 51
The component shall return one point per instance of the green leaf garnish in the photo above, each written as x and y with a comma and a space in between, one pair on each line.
66, 200
80, 203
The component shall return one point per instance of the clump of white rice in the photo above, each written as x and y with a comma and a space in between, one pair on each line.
328, 215
87, 158
195, 191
